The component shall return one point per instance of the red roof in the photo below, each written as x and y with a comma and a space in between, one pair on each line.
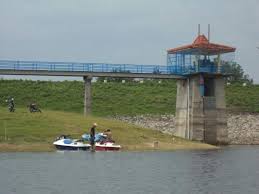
202, 46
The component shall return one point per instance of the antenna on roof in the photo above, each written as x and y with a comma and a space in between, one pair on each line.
209, 32
199, 29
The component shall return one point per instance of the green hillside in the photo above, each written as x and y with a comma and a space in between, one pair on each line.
108, 98
240, 98
113, 98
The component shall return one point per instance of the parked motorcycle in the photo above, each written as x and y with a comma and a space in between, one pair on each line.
34, 108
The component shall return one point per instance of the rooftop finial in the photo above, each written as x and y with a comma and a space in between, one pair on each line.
209, 32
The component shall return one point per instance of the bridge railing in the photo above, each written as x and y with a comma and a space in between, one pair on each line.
104, 68
83, 67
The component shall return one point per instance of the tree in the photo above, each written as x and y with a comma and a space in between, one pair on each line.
236, 73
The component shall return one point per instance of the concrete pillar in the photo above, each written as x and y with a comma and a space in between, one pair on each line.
189, 110
201, 118
181, 110
196, 117
88, 96
222, 131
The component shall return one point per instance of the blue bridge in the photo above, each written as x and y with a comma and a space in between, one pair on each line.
10, 67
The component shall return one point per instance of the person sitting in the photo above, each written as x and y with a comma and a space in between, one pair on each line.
108, 134
33, 107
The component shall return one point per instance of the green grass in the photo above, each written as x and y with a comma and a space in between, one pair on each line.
114, 98
36, 132
108, 98
240, 98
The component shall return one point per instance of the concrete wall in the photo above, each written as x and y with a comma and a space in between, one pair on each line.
196, 110
205, 120
222, 132
181, 109
210, 120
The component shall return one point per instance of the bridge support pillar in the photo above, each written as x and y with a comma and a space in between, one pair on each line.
201, 109
87, 96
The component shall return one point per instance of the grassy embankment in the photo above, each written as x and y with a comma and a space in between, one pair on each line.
109, 99
36, 132
116, 98
242, 99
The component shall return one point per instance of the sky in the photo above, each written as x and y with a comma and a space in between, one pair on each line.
125, 31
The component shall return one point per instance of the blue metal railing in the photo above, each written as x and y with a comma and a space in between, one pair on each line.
104, 68
203, 69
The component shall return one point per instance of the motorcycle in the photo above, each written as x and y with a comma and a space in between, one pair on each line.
11, 107
34, 108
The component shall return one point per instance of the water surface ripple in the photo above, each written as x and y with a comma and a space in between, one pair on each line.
228, 170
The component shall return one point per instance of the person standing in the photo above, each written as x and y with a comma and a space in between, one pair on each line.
11, 104
92, 137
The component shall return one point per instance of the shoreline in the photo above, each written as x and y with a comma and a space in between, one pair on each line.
243, 128
41, 148
45, 147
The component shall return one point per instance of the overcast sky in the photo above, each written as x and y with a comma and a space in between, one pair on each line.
125, 31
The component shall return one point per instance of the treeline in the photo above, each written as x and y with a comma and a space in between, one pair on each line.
236, 73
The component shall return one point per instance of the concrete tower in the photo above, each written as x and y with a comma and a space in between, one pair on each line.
200, 106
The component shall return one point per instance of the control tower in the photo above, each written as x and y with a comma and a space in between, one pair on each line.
201, 106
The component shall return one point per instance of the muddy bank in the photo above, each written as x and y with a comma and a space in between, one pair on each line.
243, 128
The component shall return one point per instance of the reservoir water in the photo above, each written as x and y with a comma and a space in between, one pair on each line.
228, 170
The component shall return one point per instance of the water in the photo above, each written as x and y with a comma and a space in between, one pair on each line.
229, 170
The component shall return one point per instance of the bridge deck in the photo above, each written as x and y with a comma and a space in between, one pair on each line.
8, 67
89, 74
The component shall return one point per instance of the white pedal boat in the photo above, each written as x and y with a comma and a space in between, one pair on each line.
64, 143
